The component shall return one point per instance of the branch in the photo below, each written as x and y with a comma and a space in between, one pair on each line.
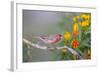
74, 52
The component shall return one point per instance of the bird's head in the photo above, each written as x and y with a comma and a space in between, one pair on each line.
59, 35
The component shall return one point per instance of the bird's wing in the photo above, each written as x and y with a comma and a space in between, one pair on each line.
48, 37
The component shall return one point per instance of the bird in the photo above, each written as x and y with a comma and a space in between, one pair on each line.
51, 39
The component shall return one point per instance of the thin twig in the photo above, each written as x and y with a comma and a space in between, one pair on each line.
46, 47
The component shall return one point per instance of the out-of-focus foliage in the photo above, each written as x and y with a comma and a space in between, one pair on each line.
79, 38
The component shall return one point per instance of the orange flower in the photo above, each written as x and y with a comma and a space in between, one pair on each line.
85, 16
75, 19
75, 43
75, 33
86, 21
67, 36
75, 29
